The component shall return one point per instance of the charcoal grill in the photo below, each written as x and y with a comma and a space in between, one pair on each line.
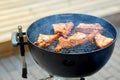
82, 61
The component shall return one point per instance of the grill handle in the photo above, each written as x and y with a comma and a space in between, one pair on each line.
14, 39
18, 39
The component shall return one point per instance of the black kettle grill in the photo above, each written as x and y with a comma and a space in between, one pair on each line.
80, 61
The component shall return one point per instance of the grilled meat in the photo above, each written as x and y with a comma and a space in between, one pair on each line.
83, 33
63, 28
102, 41
88, 28
46, 40
91, 36
77, 38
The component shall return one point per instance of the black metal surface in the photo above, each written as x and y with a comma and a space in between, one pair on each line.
69, 64
84, 64
72, 64
82, 78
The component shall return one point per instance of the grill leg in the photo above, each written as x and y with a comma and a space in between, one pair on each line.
82, 78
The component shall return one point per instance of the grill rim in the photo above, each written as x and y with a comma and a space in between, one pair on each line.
103, 19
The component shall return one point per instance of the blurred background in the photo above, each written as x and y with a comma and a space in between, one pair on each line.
25, 12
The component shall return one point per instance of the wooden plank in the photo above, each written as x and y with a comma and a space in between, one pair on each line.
115, 19
40, 3
4, 74
16, 62
7, 64
7, 51
38, 74
15, 75
13, 4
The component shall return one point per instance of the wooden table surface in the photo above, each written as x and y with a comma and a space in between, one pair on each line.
24, 12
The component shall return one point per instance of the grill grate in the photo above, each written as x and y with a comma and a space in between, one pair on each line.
87, 47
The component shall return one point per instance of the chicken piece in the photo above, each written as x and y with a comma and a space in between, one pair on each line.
88, 28
102, 41
77, 38
92, 35
46, 40
63, 28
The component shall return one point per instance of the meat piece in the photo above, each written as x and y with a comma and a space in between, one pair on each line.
88, 28
46, 40
102, 41
91, 36
76, 39
63, 28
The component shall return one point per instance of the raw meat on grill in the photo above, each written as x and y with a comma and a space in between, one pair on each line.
77, 38
63, 28
91, 33
102, 41
88, 28
46, 40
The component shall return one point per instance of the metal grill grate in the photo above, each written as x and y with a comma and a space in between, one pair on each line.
87, 47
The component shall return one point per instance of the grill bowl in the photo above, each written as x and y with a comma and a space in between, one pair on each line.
70, 64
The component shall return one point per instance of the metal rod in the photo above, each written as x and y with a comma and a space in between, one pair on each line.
22, 51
